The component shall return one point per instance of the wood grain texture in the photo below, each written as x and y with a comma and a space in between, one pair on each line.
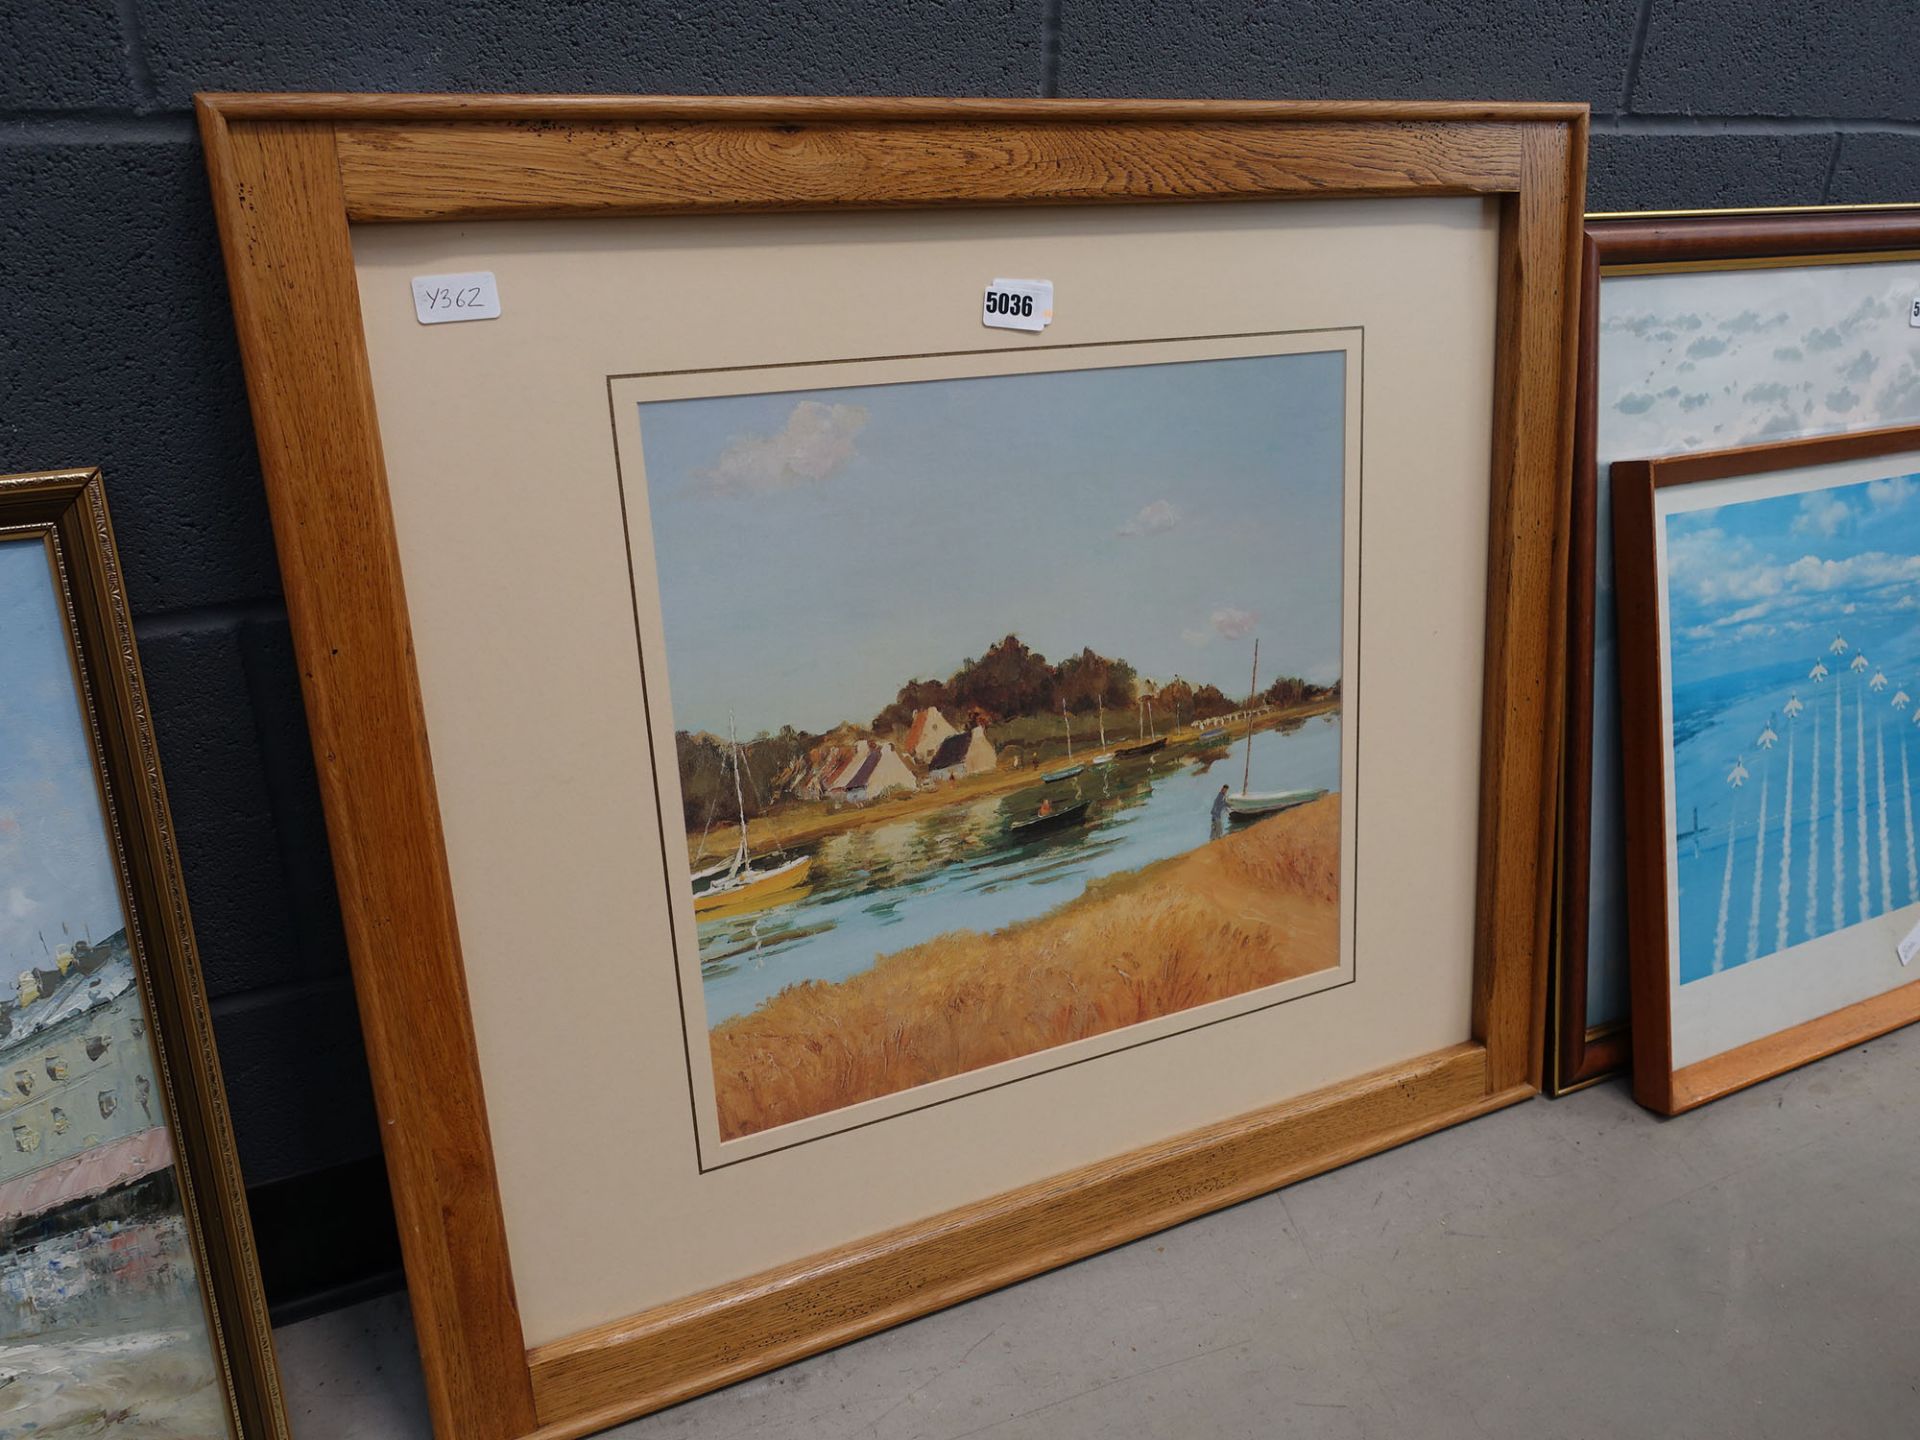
1524, 708
1577, 1056
1784, 455
291, 171
1645, 820
440, 171
613, 1373
1656, 1084
296, 307
1773, 1055
1678, 239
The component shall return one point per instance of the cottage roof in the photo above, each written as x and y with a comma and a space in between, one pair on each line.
922, 720
865, 772
952, 751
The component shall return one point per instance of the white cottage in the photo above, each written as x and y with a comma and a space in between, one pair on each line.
964, 754
927, 733
881, 773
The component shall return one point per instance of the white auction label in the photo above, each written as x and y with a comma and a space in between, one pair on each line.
1913, 314
442, 299
1910, 946
1018, 305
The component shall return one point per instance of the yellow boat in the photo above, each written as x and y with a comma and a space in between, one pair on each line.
740, 885
749, 889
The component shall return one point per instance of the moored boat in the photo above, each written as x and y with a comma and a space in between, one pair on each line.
1270, 802
1140, 747
751, 886
1251, 804
1059, 819
745, 882
1067, 774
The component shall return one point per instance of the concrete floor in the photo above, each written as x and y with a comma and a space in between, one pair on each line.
1571, 1268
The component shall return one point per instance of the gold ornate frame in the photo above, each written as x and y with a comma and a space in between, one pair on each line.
66, 510
290, 173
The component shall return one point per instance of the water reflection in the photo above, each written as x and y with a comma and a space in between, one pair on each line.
885, 887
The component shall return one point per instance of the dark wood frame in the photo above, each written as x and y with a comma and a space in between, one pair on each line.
290, 173
1581, 1054
1656, 1084
66, 510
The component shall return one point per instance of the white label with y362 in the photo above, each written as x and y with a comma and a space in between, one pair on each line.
1018, 305
1909, 947
442, 299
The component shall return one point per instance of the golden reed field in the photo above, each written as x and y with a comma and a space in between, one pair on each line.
1251, 909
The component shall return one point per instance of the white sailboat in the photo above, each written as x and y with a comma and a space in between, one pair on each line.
1106, 755
1250, 804
745, 885
1069, 770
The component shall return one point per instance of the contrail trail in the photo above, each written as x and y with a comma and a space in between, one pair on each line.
1906, 803
1880, 779
1780, 940
1860, 794
1813, 832
1839, 812
1726, 894
1759, 861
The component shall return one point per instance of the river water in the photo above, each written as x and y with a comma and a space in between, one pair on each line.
884, 888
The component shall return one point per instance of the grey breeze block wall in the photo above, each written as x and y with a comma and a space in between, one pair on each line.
118, 346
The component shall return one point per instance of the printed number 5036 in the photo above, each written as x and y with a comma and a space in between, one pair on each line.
1001, 303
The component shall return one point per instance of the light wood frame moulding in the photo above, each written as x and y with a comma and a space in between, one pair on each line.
1580, 1053
290, 173
66, 511
1656, 1084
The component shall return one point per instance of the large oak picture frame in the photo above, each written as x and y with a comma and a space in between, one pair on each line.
1658, 1081
291, 173
1582, 1051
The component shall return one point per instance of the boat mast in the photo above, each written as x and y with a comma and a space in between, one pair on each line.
1103, 722
739, 799
1253, 692
1069, 724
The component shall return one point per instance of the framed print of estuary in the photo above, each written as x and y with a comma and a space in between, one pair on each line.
1006, 713
1777, 759
739, 458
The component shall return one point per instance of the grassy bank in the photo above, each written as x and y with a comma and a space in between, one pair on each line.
1252, 909
798, 822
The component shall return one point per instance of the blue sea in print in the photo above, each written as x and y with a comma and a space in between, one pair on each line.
1794, 647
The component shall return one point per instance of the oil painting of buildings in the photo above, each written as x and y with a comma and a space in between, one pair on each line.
102, 1327
1007, 711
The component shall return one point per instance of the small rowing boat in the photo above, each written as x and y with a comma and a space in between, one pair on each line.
1066, 774
1059, 819
1140, 747
1270, 802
